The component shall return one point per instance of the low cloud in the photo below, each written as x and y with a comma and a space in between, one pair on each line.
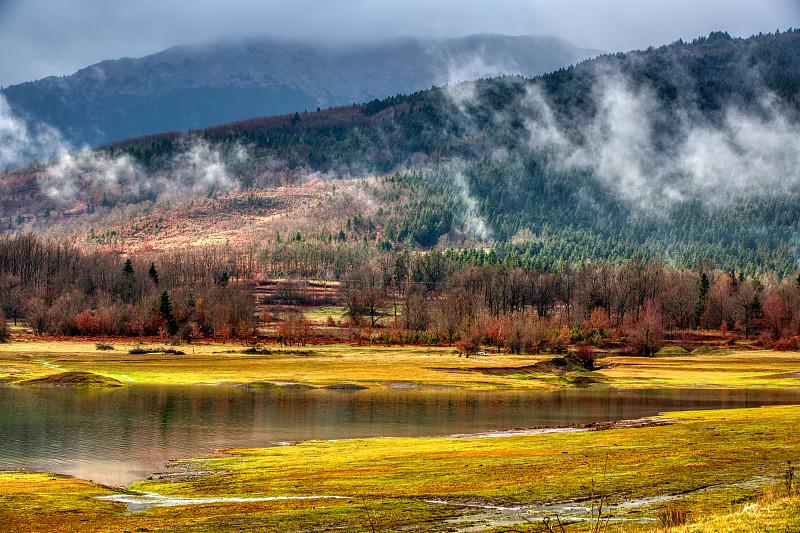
89, 176
57, 37
748, 152
474, 223
618, 147
68, 176
201, 169
21, 142
72, 175
476, 67
751, 150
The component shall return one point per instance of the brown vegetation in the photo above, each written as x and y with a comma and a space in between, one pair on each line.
222, 293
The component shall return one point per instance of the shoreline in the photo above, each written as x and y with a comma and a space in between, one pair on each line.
681, 458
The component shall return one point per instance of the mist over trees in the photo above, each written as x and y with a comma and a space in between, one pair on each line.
685, 152
190, 87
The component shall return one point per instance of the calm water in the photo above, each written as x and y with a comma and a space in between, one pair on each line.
119, 436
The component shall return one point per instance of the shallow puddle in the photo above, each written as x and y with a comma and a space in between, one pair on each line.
146, 500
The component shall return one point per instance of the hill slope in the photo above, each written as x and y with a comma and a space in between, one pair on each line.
192, 87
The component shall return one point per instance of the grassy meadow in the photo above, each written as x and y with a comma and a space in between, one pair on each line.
381, 366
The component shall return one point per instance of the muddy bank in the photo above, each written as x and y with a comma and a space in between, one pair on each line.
591, 426
287, 385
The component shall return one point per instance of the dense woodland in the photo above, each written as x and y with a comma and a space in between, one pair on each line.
464, 298
57, 288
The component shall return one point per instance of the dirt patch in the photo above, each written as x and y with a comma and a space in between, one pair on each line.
629, 424
584, 381
345, 386
73, 379
569, 428
269, 385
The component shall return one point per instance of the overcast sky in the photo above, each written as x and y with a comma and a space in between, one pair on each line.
39, 38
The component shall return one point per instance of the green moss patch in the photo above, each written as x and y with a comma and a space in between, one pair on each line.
73, 379
673, 351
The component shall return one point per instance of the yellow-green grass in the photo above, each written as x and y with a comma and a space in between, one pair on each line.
777, 515
375, 366
37, 502
730, 368
702, 449
315, 365
320, 315
710, 461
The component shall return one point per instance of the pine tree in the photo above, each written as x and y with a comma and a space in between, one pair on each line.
752, 311
153, 273
128, 282
165, 310
700, 307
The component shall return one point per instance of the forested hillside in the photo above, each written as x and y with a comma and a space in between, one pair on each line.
683, 153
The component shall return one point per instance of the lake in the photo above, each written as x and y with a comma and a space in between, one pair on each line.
121, 435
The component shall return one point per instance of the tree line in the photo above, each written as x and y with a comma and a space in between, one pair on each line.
463, 298
58, 288
528, 310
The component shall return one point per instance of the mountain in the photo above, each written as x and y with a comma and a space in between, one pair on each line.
685, 153
190, 87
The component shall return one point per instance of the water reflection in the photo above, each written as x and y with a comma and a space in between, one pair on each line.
121, 435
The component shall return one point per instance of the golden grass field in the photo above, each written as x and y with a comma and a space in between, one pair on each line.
373, 366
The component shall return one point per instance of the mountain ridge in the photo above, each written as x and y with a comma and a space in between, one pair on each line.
189, 87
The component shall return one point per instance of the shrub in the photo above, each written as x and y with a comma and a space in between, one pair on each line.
645, 331
785, 345
142, 351
585, 356
558, 344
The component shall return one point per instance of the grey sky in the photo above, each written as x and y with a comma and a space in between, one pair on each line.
56, 37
